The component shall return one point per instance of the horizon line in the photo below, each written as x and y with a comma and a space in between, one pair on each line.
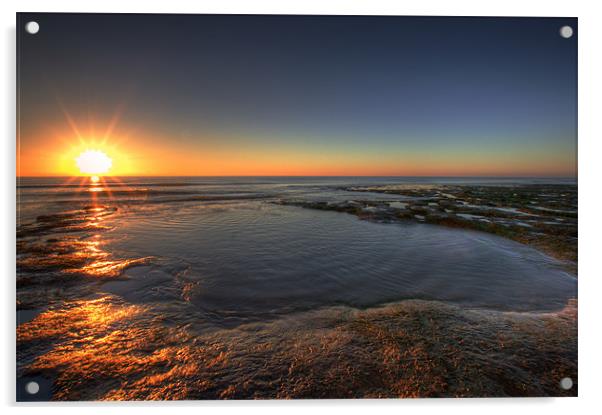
303, 175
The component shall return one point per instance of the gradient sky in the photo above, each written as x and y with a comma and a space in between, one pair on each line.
298, 95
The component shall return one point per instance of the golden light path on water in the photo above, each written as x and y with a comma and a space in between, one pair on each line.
80, 250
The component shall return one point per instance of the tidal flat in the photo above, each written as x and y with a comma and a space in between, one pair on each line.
106, 349
269, 288
544, 216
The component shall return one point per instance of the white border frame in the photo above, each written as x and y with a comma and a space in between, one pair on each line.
590, 135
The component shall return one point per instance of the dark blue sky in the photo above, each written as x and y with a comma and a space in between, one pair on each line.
370, 91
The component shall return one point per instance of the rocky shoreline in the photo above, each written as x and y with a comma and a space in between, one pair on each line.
543, 216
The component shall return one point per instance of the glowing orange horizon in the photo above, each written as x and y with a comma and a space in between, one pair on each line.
138, 160
120, 152
134, 158
163, 163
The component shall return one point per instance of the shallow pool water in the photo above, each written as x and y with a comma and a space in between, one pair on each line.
256, 259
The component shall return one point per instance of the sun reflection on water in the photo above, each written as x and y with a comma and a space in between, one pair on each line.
69, 243
76, 251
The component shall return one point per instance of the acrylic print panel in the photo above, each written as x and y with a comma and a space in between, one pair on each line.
275, 207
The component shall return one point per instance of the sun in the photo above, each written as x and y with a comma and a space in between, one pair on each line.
93, 162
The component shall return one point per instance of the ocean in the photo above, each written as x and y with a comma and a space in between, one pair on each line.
222, 258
